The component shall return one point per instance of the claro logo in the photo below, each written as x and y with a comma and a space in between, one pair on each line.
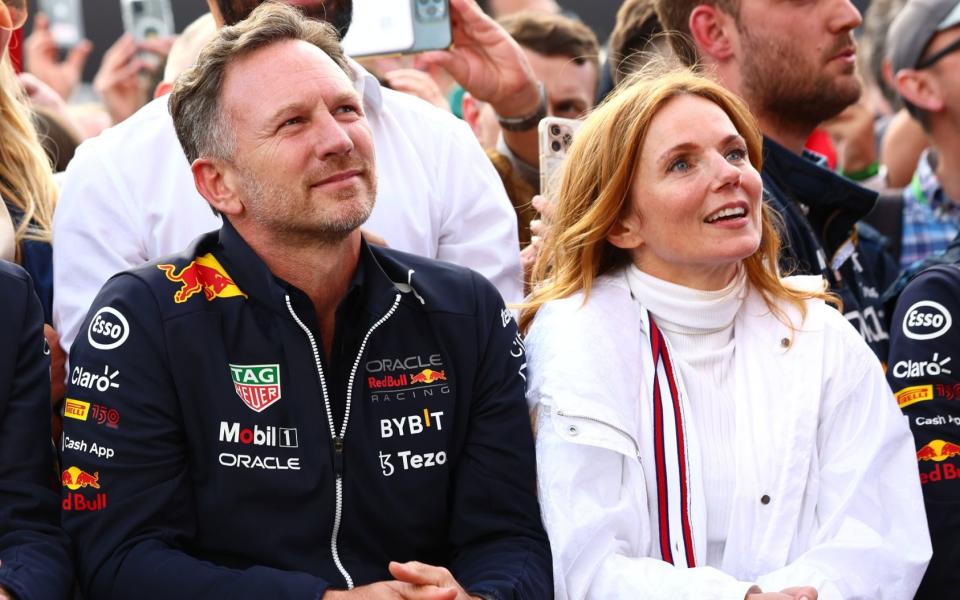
108, 329
926, 320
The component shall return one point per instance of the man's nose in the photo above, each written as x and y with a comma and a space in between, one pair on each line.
332, 138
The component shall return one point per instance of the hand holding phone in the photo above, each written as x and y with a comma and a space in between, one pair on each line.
556, 137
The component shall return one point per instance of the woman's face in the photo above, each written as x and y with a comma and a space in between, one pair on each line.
695, 202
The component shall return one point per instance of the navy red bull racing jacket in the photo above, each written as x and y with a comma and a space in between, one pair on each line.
925, 375
210, 450
34, 552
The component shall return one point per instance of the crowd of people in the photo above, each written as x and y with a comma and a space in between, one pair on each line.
281, 322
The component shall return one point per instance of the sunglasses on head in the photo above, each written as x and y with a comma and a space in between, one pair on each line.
13, 13
932, 60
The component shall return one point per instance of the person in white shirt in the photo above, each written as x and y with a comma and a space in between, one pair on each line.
128, 195
705, 428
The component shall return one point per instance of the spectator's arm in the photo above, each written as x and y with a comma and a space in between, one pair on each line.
478, 224
489, 64
34, 552
96, 236
500, 546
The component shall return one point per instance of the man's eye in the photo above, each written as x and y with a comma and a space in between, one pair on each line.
292, 121
348, 108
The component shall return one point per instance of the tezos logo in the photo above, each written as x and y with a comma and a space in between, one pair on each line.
108, 329
86, 379
926, 320
933, 367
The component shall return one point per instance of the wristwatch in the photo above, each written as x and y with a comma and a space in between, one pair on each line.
530, 121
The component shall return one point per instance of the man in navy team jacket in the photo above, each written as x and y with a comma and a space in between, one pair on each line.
283, 411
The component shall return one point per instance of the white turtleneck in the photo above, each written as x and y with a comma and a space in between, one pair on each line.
698, 326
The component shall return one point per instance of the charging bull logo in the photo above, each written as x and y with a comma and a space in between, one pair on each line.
205, 274
74, 479
428, 376
938, 450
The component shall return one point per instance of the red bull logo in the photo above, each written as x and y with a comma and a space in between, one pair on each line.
428, 376
938, 451
204, 274
74, 479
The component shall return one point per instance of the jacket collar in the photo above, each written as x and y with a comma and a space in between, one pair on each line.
371, 280
825, 195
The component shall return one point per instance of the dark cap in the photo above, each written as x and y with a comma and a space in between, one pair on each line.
914, 27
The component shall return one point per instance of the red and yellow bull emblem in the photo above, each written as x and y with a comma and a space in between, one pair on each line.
428, 376
206, 274
938, 451
74, 479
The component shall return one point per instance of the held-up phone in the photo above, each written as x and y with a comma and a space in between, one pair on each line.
556, 137
379, 27
431, 25
66, 21
146, 19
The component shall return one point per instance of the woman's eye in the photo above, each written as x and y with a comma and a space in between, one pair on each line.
679, 165
737, 155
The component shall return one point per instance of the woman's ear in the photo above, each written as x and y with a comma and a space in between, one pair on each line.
625, 233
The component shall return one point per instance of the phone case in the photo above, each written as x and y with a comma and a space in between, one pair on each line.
66, 21
379, 28
431, 25
556, 137
147, 19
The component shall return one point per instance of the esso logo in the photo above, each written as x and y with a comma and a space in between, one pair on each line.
108, 329
926, 320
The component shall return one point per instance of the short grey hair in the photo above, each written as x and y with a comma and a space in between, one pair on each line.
195, 102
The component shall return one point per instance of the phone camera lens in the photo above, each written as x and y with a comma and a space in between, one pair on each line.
554, 130
556, 146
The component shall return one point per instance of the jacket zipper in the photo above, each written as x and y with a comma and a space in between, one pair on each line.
636, 446
337, 440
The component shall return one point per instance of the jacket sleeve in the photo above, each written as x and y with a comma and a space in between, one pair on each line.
34, 551
95, 228
502, 550
479, 225
870, 536
924, 374
127, 486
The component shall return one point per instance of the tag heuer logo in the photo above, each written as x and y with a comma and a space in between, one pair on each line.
257, 385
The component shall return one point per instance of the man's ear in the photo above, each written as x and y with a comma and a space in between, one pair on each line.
920, 88
217, 184
712, 31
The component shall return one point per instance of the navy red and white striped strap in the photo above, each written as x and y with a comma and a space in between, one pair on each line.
670, 453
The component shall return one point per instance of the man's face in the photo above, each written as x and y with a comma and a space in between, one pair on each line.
798, 58
571, 88
338, 13
946, 71
303, 164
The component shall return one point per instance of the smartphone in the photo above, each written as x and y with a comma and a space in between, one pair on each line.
379, 27
147, 19
556, 137
66, 21
431, 25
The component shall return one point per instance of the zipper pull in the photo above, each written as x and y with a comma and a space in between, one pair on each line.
338, 455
